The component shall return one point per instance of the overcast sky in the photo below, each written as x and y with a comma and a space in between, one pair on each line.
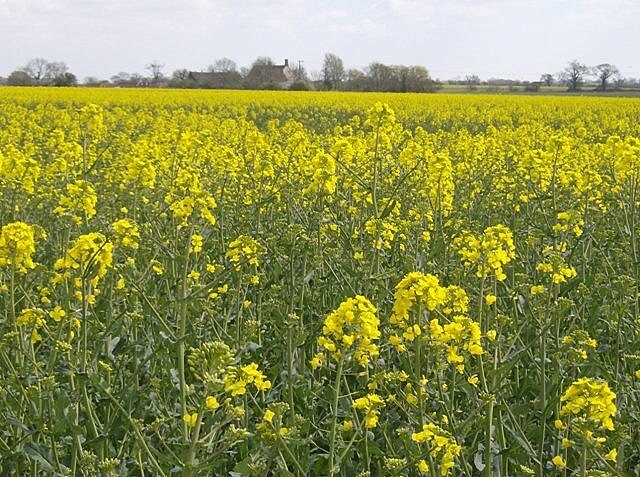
518, 39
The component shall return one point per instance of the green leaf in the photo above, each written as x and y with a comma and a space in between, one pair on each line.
35, 452
14, 422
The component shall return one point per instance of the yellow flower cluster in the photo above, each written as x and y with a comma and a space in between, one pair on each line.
489, 252
140, 166
17, 245
579, 343
243, 250
236, 381
556, 268
592, 400
187, 196
441, 444
91, 254
18, 170
370, 405
415, 295
79, 203
196, 243
352, 327
417, 292
34, 319
462, 334
382, 232
324, 178
126, 233
566, 221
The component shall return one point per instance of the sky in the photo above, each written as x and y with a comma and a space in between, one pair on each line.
516, 39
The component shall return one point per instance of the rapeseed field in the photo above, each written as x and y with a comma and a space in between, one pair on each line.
292, 284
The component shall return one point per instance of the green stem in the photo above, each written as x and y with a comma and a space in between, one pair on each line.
488, 451
334, 420
543, 388
290, 357
291, 455
418, 379
182, 331
127, 415
191, 452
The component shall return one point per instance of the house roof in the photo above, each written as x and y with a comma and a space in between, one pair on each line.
218, 79
211, 80
271, 74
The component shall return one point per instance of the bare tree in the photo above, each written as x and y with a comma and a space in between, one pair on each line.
256, 76
356, 80
315, 76
573, 75
332, 71
180, 75
380, 76
36, 68
262, 61
136, 79
91, 81
55, 72
472, 81
412, 78
223, 65
547, 79
155, 68
121, 78
604, 72
300, 73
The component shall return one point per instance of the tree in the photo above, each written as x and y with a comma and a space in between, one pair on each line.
547, 79
332, 71
604, 72
136, 79
300, 73
223, 65
41, 71
573, 75
91, 81
121, 78
380, 76
356, 80
472, 81
57, 74
180, 75
262, 61
65, 79
414, 79
259, 77
54, 70
155, 68
19, 78
36, 69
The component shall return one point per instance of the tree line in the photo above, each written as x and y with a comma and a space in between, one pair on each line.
333, 76
576, 74
40, 72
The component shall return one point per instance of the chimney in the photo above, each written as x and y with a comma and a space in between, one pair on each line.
286, 63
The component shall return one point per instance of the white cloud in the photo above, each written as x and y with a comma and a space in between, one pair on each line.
366, 27
505, 37
17, 8
414, 10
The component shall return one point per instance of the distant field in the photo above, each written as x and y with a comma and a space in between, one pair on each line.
304, 283
544, 90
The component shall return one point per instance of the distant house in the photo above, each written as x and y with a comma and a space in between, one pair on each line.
265, 76
217, 80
